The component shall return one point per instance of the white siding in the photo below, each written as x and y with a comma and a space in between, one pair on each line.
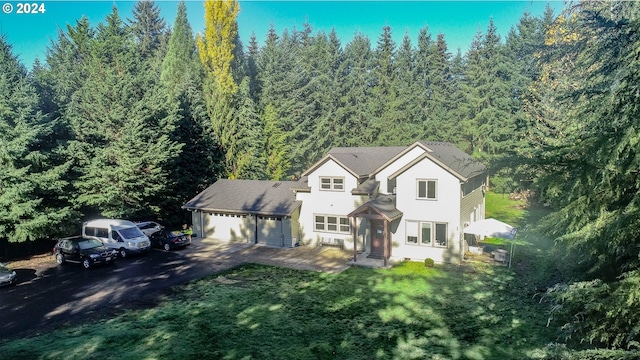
383, 175
445, 209
339, 203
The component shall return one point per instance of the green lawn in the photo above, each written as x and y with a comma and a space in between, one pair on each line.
473, 311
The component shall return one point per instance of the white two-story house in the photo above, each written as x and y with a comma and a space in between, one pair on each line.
389, 202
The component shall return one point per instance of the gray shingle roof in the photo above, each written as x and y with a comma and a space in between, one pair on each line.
364, 160
259, 197
384, 205
368, 186
456, 159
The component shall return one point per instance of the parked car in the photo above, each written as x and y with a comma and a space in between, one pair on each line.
122, 235
7, 276
86, 251
149, 227
169, 240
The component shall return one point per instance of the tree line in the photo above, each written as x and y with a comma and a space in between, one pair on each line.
131, 118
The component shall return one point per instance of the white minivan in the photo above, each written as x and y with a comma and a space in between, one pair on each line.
122, 235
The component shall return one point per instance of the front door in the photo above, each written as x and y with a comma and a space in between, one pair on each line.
377, 239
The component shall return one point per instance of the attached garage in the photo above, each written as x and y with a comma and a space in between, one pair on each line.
253, 211
270, 231
231, 227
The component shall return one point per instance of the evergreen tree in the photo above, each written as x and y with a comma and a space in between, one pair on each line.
248, 145
33, 186
67, 63
441, 125
472, 104
459, 102
490, 126
200, 161
275, 148
320, 90
329, 90
355, 112
253, 55
281, 81
181, 66
403, 112
382, 90
122, 125
585, 153
148, 28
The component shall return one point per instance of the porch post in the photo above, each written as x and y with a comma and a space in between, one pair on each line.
385, 242
355, 238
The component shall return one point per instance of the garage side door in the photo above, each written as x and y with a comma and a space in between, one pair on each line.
270, 231
229, 227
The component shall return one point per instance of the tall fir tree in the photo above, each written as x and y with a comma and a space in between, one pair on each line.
33, 183
149, 29
122, 125
200, 161
280, 79
275, 147
248, 146
403, 111
382, 91
67, 60
354, 110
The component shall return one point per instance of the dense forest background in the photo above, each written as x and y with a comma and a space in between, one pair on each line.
131, 118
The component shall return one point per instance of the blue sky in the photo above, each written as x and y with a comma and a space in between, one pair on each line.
459, 21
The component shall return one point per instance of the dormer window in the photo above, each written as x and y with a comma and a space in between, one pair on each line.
331, 183
426, 189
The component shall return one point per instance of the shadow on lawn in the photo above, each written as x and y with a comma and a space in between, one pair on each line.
264, 312
409, 312
469, 312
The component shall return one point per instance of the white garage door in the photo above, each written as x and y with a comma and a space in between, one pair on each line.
229, 227
270, 231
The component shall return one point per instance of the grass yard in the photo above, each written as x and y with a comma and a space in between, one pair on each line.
261, 312
473, 311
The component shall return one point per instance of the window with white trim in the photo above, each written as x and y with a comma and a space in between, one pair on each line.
331, 183
426, 189
332, 224
422, 233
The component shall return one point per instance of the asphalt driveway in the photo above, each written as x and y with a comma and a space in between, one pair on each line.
51, 295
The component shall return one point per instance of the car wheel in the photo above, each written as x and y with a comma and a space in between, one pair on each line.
123, 253
167, 247
59, 259
86, 263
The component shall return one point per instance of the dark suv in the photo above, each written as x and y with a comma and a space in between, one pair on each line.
87, 252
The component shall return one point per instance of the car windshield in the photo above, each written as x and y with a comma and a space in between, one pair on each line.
89, 244
131, 233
